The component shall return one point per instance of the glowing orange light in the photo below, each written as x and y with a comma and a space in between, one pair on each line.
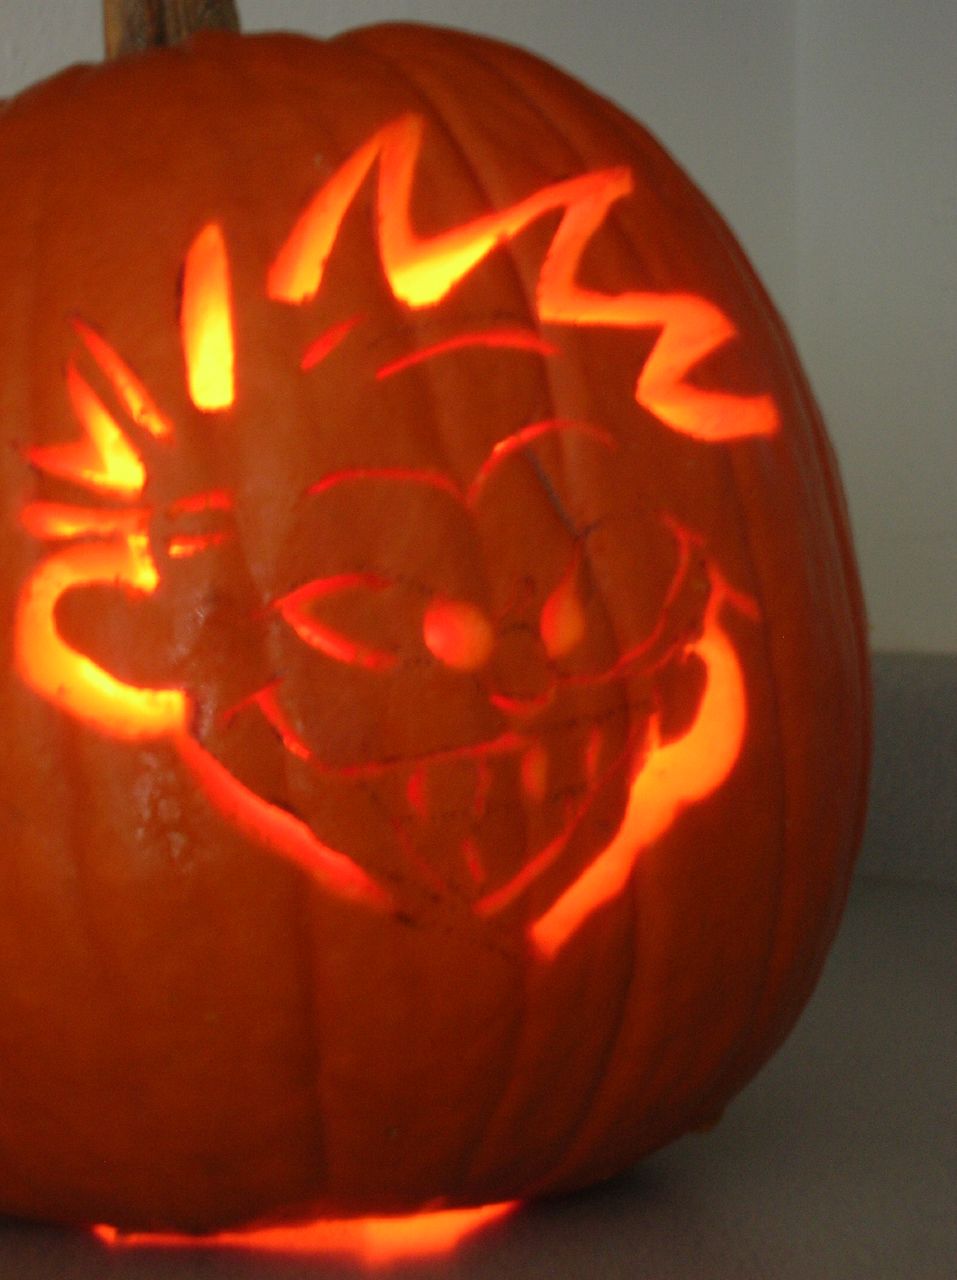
294, 609
672, 776
421, 272
534, 772
104, 458
279, 830
206, 322
326, 343
70, 680
562, 621
185, 545
458, 634
75, 684
494, 339
528, 435
111, 548
211, 500
267, 700
59, 521
297, 270
406, 475
131, 391
416, 793
472, 856
546, 857
373, 1242
523, 708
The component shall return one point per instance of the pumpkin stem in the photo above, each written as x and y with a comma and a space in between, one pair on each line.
132, 25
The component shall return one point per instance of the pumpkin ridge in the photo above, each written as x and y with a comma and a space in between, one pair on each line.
495, 59
728, 466
745, 1033
748, 1033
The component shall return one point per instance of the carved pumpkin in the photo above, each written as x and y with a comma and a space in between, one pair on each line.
433, 668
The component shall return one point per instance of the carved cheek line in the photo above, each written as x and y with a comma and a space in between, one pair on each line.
278, 830
671, 777
501, 898
523, 708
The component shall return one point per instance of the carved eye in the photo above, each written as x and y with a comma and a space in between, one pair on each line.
562, 620
458, 634
297, 609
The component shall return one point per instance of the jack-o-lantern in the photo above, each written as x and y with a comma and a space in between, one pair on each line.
433, 667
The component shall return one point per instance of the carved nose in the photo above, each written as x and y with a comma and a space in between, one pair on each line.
524, 684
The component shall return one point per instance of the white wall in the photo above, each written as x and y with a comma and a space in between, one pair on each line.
876, 312
826, 132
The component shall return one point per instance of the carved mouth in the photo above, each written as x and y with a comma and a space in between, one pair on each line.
666, 777
267, 701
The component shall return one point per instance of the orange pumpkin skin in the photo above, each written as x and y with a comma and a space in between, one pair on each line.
367, 647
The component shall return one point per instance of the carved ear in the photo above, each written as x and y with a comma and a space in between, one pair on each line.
69, 679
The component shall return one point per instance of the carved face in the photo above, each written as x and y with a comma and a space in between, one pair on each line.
483, 681
429, 674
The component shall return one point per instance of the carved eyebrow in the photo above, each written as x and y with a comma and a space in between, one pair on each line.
497, 339
408, 475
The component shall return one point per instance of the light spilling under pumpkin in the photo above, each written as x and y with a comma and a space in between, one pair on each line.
373, 1242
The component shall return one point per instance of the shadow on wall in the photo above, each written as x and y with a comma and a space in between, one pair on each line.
912, 826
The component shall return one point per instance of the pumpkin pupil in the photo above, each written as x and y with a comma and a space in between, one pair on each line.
562, 621
458, 634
